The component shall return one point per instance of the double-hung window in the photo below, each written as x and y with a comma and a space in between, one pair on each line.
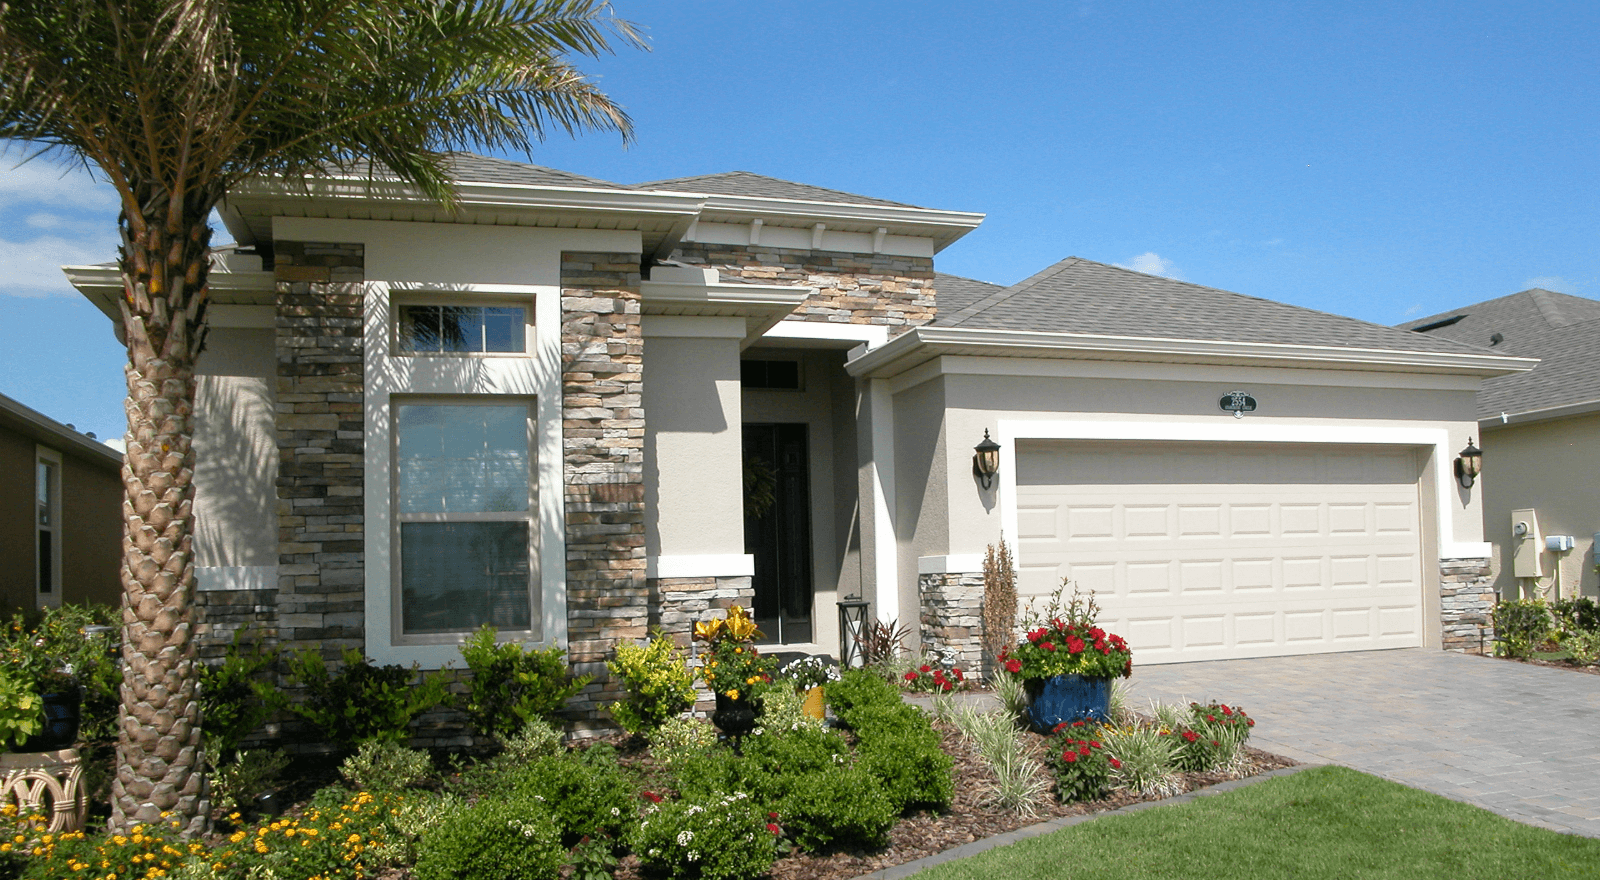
465, 519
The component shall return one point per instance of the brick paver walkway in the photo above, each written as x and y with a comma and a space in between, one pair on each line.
1522, 741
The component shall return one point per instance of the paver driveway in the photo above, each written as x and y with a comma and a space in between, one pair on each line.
1523, 741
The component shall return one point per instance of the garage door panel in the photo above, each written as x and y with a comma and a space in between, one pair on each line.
1245, 552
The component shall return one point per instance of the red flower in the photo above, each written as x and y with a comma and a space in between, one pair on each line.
1100, 645
1190, 735
1211, 718
1095, 743
1050, 646
957, 672
911, 676
1084, 751
1013, 666
1226, 711
1075, 644
774, 829
651, 796
1252, 722
1115, 764
948, 686
1069, 756
924, 669
1034, 635
1059, 727
1078, 723
938, 676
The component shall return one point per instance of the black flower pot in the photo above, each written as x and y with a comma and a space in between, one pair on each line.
61, 716
735, 716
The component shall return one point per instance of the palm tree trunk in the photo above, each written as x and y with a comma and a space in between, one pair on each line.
159, 763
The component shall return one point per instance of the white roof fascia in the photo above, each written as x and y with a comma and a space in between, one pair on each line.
1549, 413
102, 284
943, 226
761, 305
924, 343
50, 432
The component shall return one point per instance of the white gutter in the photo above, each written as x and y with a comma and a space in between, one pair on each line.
762, 305
925, 343
1540, 415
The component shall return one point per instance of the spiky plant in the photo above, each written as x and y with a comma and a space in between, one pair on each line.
999, 604
176, 101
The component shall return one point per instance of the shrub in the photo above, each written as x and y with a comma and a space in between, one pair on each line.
931, 678
658, 682
859, 689
1575, 615
381, 765
235, 699
1146, 759
1583, 646
775, 761
1080, 762
724, 837
587, 798
343, 835
510, 838
21, 710
536, 739
680, 738
363, 701
1521, 627
512, 684
54, 644
899, 747
704, 775
1221, 730
235, 786
784, 709
838, 807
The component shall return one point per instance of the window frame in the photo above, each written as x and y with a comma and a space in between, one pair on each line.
444, 298
530, 515
48, 595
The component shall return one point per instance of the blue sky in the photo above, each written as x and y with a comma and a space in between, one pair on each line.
1379, 160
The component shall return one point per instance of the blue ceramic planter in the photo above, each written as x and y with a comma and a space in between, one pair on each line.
1068, 698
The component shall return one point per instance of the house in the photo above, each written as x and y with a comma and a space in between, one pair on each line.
541, 412
60, 513
1540, 432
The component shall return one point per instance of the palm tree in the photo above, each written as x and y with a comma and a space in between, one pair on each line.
176, 101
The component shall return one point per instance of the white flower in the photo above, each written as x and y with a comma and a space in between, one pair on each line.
615, 811
694, 855
684, 837
655, 851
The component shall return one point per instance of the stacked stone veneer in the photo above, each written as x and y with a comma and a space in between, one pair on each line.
321, 573
952, 617
602, 421
676, 603
881, 289
1466, 605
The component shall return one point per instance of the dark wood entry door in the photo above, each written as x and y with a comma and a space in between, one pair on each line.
777, 529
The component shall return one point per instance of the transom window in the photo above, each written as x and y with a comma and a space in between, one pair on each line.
465, 518
431, 328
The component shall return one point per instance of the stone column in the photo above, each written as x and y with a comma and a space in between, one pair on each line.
602, 423
952, 617
1466, 605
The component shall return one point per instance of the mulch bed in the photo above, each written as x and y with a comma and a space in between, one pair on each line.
1555, 664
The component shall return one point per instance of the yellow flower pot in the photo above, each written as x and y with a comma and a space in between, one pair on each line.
813, 702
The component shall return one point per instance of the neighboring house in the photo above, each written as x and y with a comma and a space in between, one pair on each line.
1541, 435
541, 411
60, 513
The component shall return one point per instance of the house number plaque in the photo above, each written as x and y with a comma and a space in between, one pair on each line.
1238, 403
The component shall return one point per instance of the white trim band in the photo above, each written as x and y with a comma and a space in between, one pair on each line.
710, 565
220, 578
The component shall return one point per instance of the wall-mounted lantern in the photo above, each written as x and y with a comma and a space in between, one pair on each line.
1468, 465
986, 460
852, 629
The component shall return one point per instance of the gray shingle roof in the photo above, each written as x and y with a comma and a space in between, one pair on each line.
1562, 330
744, 183
955, 293
471, 168
1082, 296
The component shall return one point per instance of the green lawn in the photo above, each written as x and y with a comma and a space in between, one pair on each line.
1326, 822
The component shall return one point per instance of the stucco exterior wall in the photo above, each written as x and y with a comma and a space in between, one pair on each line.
17, 539
1549, 467
91, 525
693, 497
236, 460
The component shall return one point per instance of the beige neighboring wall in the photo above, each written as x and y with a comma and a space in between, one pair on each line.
1549, 467
694, 503
236, 453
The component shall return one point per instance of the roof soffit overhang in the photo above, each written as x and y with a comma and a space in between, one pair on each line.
102, 284
923, 344
661, 218
761, 305
48, 432
1532, 416
944, 227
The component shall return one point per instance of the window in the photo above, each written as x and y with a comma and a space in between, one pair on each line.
430, 328
772, 375
465, 519
47, 526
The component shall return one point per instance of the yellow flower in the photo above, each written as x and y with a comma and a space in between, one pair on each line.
733, 693
707, 630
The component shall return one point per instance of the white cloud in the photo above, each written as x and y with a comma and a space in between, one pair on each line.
1151, 263
45, 182
1551, 282
1412, 311
33, 268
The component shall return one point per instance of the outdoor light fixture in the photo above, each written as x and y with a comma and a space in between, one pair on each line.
852, 629
1468, 465
986, 460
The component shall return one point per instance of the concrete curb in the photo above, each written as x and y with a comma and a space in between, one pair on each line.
977, 846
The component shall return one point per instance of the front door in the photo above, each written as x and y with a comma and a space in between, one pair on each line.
777, 529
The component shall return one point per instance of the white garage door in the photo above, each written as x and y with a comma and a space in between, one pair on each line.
1206, 551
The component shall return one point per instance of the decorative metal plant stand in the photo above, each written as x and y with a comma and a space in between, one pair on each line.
46, 782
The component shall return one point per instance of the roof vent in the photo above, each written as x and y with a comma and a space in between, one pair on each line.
1434, 325
1496, 338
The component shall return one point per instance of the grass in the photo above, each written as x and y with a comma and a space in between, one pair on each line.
1327, 822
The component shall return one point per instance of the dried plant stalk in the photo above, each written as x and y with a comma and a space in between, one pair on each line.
999, 604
